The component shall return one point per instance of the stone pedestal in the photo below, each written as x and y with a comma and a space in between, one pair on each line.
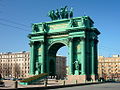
36, 72
76, 72
73, 78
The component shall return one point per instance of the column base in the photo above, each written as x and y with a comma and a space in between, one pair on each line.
32, 73
94, 77
81, 78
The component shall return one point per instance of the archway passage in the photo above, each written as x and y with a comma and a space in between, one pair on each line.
78, 34
53, 59
52, 67
62, 63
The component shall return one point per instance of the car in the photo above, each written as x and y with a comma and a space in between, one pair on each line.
2, 84
110, 80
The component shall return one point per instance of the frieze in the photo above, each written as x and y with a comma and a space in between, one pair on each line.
58, 36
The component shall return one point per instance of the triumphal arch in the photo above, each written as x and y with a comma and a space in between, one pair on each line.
78, 34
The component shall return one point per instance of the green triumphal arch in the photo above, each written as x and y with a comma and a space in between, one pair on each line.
78, 34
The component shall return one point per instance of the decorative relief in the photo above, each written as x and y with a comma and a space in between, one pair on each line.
35, 27
73, 23
44, 26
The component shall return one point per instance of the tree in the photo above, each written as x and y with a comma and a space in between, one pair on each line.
5, 70
16, 70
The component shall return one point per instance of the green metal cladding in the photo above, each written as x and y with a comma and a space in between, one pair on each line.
78, 34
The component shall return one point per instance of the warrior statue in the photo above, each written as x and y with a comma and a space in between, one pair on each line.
38, 66
52, 15
63, 13
57, 14
76, 65
71, 13
66, 12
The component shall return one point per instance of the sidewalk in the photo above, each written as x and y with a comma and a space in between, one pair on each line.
40, 85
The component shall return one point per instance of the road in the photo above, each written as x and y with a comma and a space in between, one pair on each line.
105, 86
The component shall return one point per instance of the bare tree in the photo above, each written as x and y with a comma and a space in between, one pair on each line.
5, 70
0, 72
16, 70
0, 69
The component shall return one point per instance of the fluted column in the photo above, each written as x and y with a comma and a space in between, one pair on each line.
32, 60
71, 55
42, 56
93, 57
83, 56
96, 57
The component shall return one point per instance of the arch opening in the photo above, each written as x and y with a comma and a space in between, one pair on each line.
57, 57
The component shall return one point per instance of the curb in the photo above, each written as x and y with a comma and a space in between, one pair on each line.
60, 86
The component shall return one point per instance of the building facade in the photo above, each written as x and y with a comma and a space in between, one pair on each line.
61, 67
16, 65
109, 67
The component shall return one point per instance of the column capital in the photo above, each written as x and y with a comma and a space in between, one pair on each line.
82, 38
31, 43
70, 39
96, 41
42, 42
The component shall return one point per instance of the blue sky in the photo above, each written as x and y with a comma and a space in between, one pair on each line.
16, 17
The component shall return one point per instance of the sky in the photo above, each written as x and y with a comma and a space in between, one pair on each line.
16, 17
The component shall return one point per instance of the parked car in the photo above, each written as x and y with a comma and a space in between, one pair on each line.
110, 80
101, 79
2, 84
16, 79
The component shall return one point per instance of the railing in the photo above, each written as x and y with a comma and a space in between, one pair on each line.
33, 78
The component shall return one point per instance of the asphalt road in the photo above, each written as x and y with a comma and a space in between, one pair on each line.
104, 86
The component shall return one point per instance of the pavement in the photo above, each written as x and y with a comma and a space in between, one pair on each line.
102, 86
53, 84
9, 84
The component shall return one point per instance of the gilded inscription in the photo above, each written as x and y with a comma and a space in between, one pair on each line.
58, 26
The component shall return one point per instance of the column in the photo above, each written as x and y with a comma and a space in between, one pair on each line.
32, 62
93, 57
42, 56
96, 57
71, 55
83, 56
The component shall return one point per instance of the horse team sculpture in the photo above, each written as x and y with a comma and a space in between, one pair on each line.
62, 14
